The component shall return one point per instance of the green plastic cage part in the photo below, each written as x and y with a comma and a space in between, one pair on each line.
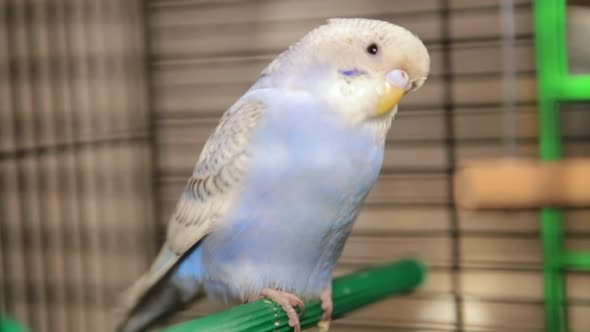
8, 324
349, 293
555, 86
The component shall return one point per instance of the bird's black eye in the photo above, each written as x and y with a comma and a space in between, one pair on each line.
372, 49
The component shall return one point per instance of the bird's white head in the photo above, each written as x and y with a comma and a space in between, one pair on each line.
360, 67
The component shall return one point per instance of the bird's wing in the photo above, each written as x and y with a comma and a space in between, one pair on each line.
207, 193
215, 177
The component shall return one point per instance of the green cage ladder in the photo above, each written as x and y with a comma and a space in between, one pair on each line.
555, 86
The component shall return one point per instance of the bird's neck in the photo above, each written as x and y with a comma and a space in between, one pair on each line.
380, 126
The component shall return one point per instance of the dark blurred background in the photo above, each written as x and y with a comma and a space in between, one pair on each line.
105, 104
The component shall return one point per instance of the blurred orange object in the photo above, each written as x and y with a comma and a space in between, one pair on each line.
521, 184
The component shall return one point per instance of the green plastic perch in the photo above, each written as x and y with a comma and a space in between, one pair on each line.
349, 292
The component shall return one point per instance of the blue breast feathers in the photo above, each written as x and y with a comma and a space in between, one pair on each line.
308, 176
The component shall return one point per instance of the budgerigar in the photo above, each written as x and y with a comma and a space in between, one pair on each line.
279, 183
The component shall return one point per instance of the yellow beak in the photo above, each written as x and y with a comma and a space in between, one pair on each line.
390, 97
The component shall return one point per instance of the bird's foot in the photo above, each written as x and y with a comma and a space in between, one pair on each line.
287, 301
327, 307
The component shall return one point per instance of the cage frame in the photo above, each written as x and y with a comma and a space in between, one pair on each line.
555, 86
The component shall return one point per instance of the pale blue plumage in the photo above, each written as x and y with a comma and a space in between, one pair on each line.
308, 174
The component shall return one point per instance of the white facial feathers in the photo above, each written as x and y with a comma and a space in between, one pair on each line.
347, 64
344, 42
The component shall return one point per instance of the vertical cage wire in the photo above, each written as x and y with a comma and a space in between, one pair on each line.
75, 159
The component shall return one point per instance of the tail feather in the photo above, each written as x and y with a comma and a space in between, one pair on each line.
150, 296
163, 263
162, 300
